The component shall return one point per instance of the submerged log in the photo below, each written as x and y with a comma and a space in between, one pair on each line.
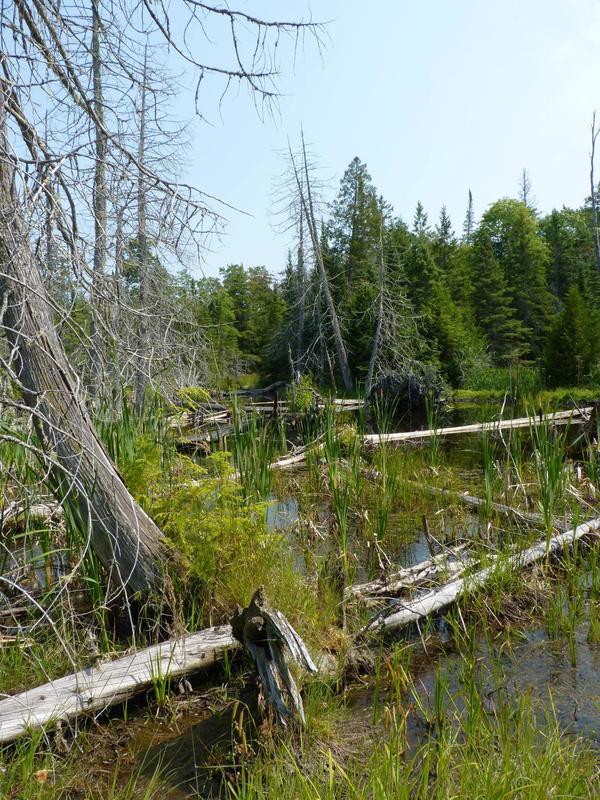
450, 563
442, 597
516, 514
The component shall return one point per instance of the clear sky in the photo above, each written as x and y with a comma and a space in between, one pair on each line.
436, 96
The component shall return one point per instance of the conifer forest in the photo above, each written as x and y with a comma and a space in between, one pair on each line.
319, 529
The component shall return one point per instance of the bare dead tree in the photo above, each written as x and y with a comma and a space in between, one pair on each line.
99, 194
46, 57
525, 195
380, 313
142, 242
303, 184
594, 191
469, 223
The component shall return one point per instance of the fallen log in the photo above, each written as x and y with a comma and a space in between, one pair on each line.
442, 597
16, 512
569, 417
453, 561
262, 629
97, 688
517, 514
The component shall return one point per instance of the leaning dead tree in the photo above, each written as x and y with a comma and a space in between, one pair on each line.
51, 68
123, 536
594, 191
302, 179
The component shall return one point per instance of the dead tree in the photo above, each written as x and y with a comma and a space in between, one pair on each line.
380, 312
525, 189
303, 185
594, 191
141, 382
45, 54
99, 197
124, 537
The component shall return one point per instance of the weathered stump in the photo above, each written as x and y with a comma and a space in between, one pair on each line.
267, 635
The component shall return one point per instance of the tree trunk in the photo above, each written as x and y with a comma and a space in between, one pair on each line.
127, 542
307, 204
593, 191
99, 204
380, 310
141, 381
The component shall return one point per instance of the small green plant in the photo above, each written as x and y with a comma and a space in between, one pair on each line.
549, 448
433, 423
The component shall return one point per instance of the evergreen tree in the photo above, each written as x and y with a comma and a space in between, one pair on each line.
523, 257
494, 311
573, 344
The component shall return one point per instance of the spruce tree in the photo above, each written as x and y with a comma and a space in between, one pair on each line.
494, 311
523, 256
573, 344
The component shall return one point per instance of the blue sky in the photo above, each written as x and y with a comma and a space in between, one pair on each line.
436, 96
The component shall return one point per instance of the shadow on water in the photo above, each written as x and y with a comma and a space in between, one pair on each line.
195, 755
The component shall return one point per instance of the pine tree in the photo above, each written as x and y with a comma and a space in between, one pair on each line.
573, 344
494, 311
523, 257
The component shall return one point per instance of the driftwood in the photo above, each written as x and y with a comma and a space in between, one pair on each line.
569, 417
440, 598
16, 512
97, 688
517, 514
572, 417
265, 632
263, 629
453, 561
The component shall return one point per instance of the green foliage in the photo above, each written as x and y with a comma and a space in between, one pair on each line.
573, 345
192, 396
494, 308
522, 255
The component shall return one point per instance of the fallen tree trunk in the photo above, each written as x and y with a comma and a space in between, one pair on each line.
569, 417
444, 596
93, 690
453, 561
262, 629
123, 536
517, 514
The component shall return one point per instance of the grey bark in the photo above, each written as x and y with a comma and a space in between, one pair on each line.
380, 311
142, 367
593, 192
307, 205
99, 200
123, 536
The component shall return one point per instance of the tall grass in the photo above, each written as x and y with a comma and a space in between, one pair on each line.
253, 451
549, 449
387, 466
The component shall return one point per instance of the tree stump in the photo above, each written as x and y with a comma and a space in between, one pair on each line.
267, 635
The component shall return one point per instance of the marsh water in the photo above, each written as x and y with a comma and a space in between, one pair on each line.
522, 663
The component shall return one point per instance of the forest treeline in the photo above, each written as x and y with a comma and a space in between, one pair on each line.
514, 287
